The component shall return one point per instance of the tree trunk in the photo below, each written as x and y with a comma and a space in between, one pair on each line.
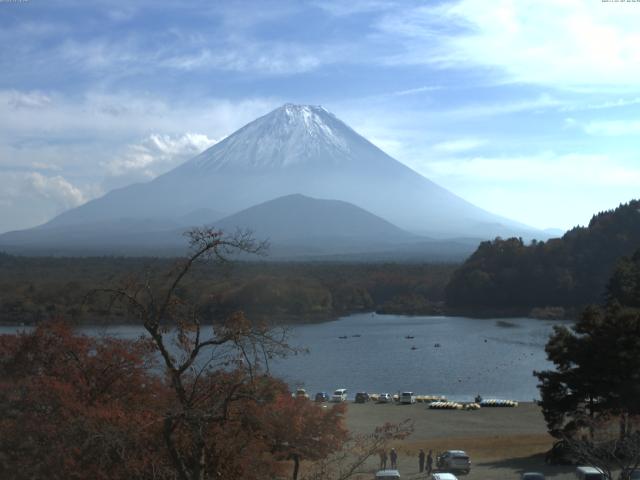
296, 465
623, 426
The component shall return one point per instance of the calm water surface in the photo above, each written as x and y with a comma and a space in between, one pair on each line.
492, 357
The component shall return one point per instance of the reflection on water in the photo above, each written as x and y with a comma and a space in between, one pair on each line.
453, 356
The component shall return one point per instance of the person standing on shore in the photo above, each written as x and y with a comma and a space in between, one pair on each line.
429, 462
394, 458
383, 459
421, 460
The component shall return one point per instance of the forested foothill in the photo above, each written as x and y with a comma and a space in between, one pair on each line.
37, 288
564, 274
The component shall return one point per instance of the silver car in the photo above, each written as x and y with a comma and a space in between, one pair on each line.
454, 460
385, 398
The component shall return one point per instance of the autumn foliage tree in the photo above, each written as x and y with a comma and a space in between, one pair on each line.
79, 407
301, 430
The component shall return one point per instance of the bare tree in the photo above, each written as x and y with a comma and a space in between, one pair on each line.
209, 365
606, 449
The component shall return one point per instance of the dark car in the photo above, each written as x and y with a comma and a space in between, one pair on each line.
532, 476
362, 397
322, 397
561, 454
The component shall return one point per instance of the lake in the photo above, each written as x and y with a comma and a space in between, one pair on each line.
492, 357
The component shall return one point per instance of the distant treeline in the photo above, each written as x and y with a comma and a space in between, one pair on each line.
37, 288
567, 272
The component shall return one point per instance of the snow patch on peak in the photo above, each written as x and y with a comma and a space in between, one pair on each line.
316, 121
290, 135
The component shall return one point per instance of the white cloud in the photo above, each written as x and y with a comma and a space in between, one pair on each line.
612, 128
17, 99
605, 105
538, 170
198, 53
30, 198
268, 58
560, 43
105, 54
458, 145
56, 189
45, 166
341, 8
415, 91
157, 154
541, 102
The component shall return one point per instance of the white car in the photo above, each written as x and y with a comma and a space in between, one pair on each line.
589, 473
385, 398
340, 395
408, 398
387, 475
454, 460
302, 393
443, 476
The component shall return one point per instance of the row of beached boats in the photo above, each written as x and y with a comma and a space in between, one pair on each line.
491, 402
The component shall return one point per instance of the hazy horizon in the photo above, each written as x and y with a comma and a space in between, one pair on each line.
527, 110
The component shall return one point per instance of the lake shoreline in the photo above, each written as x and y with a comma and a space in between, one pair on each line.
479, 313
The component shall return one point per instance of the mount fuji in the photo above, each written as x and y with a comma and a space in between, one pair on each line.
295, 149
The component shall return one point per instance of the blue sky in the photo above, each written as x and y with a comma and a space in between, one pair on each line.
529, 109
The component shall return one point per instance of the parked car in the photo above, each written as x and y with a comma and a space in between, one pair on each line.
387, 475
385, 398
443, 476
340, 395
321, 397
454, 460
407, 397
633, 474
302, 393
590, 473
362, 397
560, 454
532, 476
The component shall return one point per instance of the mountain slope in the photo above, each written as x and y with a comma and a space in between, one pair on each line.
299, 149
297, 218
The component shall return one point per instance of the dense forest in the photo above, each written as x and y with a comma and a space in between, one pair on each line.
567, 272
37, 288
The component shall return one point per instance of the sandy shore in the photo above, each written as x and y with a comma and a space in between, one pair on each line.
502, 442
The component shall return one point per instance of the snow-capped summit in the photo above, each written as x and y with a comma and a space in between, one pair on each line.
291, 135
